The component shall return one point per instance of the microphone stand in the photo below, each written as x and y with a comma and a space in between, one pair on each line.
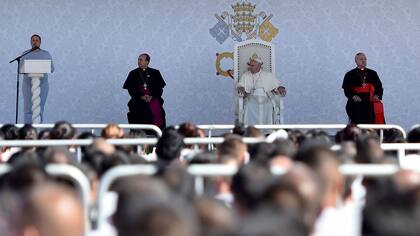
17, 80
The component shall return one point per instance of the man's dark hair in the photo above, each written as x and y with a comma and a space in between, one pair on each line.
23, 176
36, 35
57, 155
207, 157
169, 145
179, 181
367, 152
216, 219
63, 130
253, 132
261, 152
393, 213
249, 184
314, 156
284, 147
296, 136
10, 131
350, 133
115, 159
239, 130
93, 158
273, 222
231, 146
153, 217
188, 129
28, 132
141, 202
394, 136
414, 135
146, 55
44, 134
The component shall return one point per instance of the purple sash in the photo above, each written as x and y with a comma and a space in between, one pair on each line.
154, 107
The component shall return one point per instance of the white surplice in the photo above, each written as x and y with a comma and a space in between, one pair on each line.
259, 103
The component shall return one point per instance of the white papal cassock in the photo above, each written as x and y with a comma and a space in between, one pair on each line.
259, 103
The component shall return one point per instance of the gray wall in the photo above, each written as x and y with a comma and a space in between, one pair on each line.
95, 43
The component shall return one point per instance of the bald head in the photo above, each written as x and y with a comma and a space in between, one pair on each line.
53, 210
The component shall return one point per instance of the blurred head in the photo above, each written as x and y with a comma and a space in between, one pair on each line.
169, 145
63, 130
234, 148
11, 132
249, 185
53, 210
190, 130
369, 150
391, 213
253, 132
414, 135
351, 133
361, 60
255, 63
308, 185
215, 218
57, 155
35, 41
28, 132
179, 181
325, 164
112, 131
146, 207
143, 60
273, 222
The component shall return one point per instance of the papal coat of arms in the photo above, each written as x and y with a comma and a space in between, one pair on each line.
243, 24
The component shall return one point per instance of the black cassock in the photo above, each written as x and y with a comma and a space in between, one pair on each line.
361, 112
140, 112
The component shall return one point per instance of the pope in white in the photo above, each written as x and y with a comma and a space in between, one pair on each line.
259, 88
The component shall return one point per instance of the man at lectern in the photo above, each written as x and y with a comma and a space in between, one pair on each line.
37, 53
145, 86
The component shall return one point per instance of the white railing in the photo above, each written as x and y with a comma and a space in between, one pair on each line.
94, 127
211, 128
209, 170
228, 127
198, 171
77, 143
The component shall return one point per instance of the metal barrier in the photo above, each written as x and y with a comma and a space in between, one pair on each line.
77, 143
77, 177
82, 183
209, 170
210, 128
93, 127
106, 181
399, 147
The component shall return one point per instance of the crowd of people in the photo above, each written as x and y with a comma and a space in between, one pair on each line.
311, 198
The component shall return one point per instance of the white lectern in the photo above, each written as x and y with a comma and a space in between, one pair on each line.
35, 69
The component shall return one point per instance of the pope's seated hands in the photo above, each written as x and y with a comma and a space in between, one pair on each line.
280, 91
241, 91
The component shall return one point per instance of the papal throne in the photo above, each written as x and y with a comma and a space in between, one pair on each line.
242, 52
